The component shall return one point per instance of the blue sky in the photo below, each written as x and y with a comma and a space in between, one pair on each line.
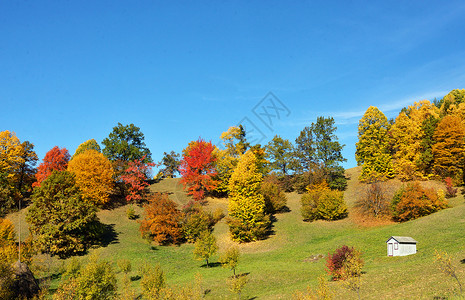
71, 70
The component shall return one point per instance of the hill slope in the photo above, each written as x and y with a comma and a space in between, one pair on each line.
282, 264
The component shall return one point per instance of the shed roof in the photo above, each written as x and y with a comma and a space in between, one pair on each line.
403, 239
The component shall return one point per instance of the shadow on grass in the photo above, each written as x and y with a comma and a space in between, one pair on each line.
211, 265
135, 278
106, 235
463, 261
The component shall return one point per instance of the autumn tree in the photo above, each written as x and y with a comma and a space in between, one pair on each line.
234, 145
230, 259
205, 246
135, 177
87, 145
94, 176
61, 222
198, 169
374, 202
413, 201
162, 222
453, 103
17, 164
55, 160
322, 203
248, 221
275, 198
280, 153
372, 146
449, 149
409, 139
171, 163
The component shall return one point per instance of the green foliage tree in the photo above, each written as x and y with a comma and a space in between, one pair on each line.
280, 153
205, 246
449, 149
61, 222
126, 143
426, 159
230, 259
305, 149
248, 221
87, 145
171, 162
373, 146
328, 149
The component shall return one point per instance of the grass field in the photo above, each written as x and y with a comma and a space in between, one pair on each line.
281, 265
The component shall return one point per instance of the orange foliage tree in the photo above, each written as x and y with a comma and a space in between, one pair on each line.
198, 169
162, 222
94, 175
55, 160
449, 149
413, 201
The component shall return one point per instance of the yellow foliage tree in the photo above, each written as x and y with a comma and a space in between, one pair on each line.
449, 149
10, 153
248, 221
227, 158
94, 175
407, 135
373, 146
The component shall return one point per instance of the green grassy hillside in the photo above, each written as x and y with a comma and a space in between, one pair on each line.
283, 263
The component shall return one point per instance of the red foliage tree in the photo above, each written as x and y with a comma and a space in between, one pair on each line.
335, 262
198, 169
135, 176
55, 160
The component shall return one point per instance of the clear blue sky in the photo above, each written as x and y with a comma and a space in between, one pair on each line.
71, 70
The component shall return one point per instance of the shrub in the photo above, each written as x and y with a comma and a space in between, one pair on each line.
124, 265
450, 190
162, 222
153, 281
131, 213
337, 262
374, 201
321, 203
196, 221
413, 201
275, 199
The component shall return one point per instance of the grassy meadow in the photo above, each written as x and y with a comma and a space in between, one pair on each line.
288, 260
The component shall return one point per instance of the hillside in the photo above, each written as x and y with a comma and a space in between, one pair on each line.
283, 263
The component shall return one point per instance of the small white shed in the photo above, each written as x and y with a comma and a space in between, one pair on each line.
401, 246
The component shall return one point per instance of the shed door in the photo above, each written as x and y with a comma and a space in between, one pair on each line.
390, 249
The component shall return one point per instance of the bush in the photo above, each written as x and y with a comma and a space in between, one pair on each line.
451, 192
336, 262
275, 199
153, 281
321, 203
205, 246
413, 201
131, 213
162, 222
374, 201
